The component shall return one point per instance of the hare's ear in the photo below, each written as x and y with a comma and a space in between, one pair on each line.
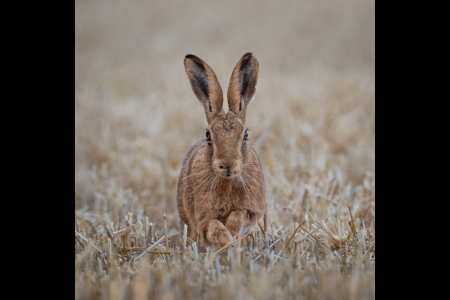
205, 85
242, 88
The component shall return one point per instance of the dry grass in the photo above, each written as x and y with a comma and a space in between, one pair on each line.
312, 124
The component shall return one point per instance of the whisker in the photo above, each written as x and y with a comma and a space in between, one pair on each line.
200, 184
194, 174
207, 184
247, 183
239, 177
264, 163
254, 179
246, 189
210, 194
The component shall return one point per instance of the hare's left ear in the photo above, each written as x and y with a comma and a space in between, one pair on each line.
242, 88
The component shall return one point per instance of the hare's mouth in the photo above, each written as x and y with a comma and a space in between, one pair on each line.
226, 169
226, 172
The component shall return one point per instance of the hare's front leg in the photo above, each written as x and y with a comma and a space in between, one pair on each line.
217, 234
238, 219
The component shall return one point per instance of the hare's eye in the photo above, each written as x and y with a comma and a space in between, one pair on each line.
208, 135
246, 135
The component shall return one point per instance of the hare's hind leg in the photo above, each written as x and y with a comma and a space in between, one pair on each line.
217, 234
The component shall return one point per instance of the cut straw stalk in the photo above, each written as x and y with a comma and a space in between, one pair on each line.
165, 229
265, 221
177, 255
149, 249
293, 234
352, 223
151, 252
92, 244
184, 236
156, 244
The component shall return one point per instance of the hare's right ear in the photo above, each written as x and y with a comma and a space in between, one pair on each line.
205, 85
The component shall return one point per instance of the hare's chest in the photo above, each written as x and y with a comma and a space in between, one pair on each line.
226, 204
223, 212
225, 198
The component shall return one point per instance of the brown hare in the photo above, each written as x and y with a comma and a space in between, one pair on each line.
221, 186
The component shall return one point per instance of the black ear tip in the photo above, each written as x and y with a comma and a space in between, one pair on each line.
196, 61
190, 56
246, 60
247, 57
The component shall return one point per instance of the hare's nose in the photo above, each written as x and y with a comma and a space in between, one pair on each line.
227, 166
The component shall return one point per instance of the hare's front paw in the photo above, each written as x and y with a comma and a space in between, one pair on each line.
218, 234
221, 238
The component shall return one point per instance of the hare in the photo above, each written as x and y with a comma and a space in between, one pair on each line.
221, 187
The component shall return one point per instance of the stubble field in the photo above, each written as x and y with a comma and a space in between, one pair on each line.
312, 124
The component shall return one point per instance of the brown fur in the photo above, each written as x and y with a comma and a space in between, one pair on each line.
221, 186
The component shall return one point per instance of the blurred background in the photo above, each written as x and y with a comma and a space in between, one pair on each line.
312, 121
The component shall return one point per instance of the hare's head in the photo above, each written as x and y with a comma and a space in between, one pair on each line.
227, 149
